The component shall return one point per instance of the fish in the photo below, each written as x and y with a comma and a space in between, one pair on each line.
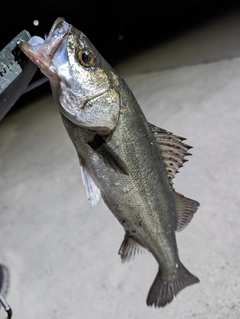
125, 160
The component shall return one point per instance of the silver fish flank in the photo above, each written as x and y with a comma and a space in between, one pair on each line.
127, 161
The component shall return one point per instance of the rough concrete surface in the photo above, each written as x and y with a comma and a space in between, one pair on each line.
62, 253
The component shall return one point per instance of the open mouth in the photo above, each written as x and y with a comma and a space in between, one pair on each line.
41, 51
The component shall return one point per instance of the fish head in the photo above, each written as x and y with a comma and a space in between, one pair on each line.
84, 85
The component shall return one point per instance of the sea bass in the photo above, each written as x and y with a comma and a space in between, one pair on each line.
127, 161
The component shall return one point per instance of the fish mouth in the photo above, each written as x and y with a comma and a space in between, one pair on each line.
41, 51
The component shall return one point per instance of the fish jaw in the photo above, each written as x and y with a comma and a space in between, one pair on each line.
84, 95
41, 51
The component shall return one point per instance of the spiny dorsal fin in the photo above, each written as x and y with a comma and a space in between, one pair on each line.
172, 148
129, 248
186, 208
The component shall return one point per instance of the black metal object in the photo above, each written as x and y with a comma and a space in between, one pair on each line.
6, 307
16, 71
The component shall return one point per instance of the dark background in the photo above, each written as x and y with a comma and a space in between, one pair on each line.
118, 29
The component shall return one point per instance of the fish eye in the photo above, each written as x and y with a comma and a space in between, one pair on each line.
86, 57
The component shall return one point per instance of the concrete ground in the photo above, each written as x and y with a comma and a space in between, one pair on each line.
62, 253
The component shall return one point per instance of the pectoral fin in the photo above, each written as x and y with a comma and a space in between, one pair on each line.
93, 192
109, 156
186, 208
172, 149
129, 248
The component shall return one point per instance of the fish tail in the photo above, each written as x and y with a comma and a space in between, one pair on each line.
162, 291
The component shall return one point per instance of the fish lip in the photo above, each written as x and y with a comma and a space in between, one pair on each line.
56, 25
59, 31
43, 52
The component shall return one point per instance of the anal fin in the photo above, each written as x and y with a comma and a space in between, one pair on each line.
129, 248
186, 208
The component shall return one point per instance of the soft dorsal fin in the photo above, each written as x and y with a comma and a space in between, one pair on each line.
186, 208
129, 248
172, 148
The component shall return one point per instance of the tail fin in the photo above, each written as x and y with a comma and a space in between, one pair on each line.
162, 292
